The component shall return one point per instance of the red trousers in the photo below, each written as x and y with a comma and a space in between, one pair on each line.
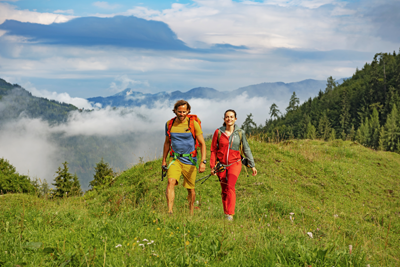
228, 180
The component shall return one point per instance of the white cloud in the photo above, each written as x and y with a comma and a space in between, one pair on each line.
60, 97
68, 11
123, 82
105, 5
12, 13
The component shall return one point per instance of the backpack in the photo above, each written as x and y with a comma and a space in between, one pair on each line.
191, 119
245, 161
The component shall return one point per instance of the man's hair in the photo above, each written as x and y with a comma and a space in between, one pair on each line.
181, 103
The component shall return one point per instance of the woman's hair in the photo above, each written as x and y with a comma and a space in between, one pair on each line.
229, 110
181, 103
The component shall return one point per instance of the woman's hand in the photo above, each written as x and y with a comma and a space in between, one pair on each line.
254, 171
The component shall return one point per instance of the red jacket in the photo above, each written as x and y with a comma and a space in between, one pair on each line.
224, 152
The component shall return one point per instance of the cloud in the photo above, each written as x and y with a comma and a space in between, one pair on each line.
68, 11
312, 25
91, 31
10, 12
36, 148
123, 82
386, 19
105, 5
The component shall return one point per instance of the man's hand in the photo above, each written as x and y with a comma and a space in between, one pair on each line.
202, 167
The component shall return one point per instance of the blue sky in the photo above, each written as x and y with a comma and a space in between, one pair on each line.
97, 48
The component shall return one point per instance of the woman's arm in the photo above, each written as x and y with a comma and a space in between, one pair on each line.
246, 150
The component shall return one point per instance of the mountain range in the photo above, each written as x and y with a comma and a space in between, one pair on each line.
274, 91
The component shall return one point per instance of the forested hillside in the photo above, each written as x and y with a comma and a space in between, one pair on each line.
362, 108
15, 101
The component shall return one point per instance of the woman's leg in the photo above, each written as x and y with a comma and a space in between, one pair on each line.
224, 189
228, 191
233, 174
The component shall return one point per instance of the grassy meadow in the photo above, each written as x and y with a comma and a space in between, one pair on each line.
313, 203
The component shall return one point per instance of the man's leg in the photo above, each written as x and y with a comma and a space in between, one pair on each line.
191, 198
170, 193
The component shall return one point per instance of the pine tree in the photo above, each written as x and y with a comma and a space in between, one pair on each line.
293, 103
65, 183
366, 134
343, 135
76, 186
324, 127
352, 133
374, 129
304, 126
345, 113
330, 84
392, 132
103, 173
311, 131
332, 135
274, 111
382, 144
249, 125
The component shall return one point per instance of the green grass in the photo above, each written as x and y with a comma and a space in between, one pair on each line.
341, 192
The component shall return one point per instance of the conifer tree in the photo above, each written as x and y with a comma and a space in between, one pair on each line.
374, 129
65, 183
324, 127
343, 136
330, 84
392, 132
352, 133
332, 135
293, 103
382, 145
345, 112
274, 111
311, 131
249, 125
76, 186
103, 174
366, 134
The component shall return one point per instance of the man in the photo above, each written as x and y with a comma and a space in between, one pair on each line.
180, 138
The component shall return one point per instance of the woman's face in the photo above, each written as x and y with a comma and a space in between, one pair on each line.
230, 118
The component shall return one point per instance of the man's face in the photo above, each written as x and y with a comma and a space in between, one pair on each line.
181, 112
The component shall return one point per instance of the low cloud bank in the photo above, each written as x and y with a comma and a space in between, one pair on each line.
121, 136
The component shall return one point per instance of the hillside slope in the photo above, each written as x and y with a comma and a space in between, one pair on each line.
16, 101
342, 193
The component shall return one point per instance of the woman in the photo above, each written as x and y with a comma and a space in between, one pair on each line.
225, 148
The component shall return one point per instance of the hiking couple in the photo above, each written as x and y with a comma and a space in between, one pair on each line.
183, 135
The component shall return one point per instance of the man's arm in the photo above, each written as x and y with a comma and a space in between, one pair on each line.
202, 143
166, 150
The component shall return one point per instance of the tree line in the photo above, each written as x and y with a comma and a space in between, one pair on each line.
65, 184
364, 108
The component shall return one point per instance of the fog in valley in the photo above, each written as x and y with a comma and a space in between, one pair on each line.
122, 136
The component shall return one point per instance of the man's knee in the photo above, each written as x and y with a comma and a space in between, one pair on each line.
171, 182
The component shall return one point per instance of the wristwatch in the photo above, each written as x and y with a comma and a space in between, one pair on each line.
204, 161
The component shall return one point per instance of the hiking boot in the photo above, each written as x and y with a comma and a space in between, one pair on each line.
229, 217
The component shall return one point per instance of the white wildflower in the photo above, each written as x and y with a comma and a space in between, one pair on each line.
310, 234
145, 240
141, 245
292, 213
118, 246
